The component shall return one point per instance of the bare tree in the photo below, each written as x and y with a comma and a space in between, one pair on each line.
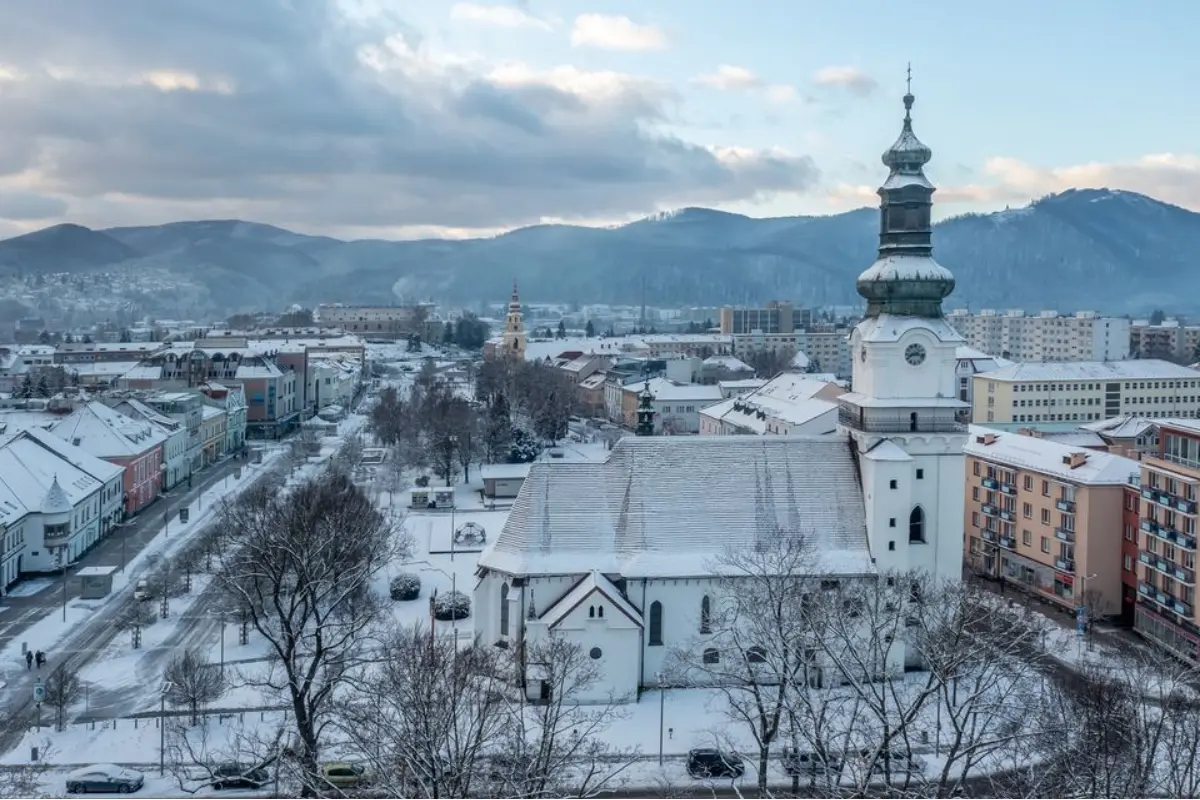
752, 638
556, 747
26, 780
194, 681
300, 568
428, 713
348, 455
63, 689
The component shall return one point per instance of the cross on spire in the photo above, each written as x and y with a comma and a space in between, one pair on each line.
908, 82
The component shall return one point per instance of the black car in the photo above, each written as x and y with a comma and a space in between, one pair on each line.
709, 762
236, 776
800, 762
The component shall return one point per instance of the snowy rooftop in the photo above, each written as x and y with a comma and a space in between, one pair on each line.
209, 412
1047, 457
650, 511
107, 433
964, 353
503, 471
101, 369
264, 369
77, 457
742, 383
27, 473
16, 420
1135, 370
1126, 427
665, 390
890, 327
540, 349
728, 362
139, 409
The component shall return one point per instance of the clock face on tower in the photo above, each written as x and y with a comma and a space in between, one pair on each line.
914, 354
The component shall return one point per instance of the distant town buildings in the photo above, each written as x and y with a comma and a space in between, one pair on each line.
1046, 336
1170, 340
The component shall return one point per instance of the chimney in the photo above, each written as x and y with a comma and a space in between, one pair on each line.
1075, 460
986, 439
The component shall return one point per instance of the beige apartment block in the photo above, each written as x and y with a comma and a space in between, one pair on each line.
1164, 500
1045, 336
1046, 518
1085, 391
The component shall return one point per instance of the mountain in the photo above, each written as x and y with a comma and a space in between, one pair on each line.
1112, 251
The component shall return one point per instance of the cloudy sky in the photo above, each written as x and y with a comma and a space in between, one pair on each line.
397, 118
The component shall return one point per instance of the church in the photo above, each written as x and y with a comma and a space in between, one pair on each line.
619, 556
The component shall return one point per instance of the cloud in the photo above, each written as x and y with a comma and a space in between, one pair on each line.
730, 78
852, 79
500, 16
302, 115
1174, 178
615, 33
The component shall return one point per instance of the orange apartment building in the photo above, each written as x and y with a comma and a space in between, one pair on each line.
1046, 518
1163, 498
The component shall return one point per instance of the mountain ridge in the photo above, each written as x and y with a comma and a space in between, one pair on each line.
1112, 251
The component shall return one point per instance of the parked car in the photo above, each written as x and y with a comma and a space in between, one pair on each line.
801, 762
342, 775
710, 762
141, 591
239, 776
893, 762
104, 778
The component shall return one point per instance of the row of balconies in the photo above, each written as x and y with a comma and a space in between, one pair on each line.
1168, 534
995, 485
1169, 500
1065, 565
1165, 600
1064, 535
1155, 561
1065, 506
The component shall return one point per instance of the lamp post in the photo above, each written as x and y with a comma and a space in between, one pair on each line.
453, 504
62, 557
662, 707
162, 727
1081, 613
453, 612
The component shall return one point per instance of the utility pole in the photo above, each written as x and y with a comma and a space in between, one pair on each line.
162, 727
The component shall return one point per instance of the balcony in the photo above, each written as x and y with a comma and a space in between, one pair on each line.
1165, 600
988, 536
1186, 506
1066, 506
1008, 542
1181, 574
1064, 565
990, 511
990, 483
1064, 535
1169, 500
1008, 488
1007, 516
1168, 534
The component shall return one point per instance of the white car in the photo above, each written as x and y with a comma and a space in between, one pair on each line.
104, 778
141, 591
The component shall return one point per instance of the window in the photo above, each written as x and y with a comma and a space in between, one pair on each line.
756, 655
705, 615
656, 624
891, 544
1046, 488
591, 612
711, 656
920, 474
1129, 563
916, 525
892, 484
1045, 544
1027, 511
1045, 516
504, 609
891, 522
1027, 538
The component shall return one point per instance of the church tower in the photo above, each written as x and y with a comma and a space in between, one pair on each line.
514, 327
645, 411
904, 416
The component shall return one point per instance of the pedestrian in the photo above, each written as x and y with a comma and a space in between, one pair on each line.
41, 658
28, 659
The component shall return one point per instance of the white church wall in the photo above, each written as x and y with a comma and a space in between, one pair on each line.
610, 639
887, 511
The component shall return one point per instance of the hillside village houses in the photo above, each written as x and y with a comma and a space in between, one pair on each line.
632, 577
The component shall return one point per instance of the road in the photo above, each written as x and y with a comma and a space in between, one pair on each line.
89, 639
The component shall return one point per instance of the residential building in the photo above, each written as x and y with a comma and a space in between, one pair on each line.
17, 361
1169, 340
676, 405
56, 502
134, 445
99, 352
1163, 498
971, 362
1046, 517
213, 430
231, 399
791, 404
177, 455
828, 349
1047, 336
625, 372
673, 345
183, 407
775, 317
375, 321
1085, 391
633, 580
715, 369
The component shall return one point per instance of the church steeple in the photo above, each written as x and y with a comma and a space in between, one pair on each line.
514, 326
645, 411
906, 280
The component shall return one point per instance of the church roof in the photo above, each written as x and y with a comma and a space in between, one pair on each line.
666, 506
592, 583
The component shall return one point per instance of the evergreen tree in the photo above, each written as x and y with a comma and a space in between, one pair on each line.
561, 333
44, 337
68, 339
25, 390
497, 433
448, 333
589, 330
42, 389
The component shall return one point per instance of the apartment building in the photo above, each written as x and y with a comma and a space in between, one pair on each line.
1170, 340
677, 406
973, 362
1085, 391
1047, 518
1046, 336
378, 320
101, 352
791, 404
775, 317
1162, 500
673, 345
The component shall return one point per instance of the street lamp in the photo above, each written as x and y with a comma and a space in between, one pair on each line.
162, 727
1081, 612
662, 703
453, 611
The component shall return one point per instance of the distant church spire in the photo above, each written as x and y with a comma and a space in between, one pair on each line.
514, 326
906, 280
645, 411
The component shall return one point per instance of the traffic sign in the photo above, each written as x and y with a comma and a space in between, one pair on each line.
39, 692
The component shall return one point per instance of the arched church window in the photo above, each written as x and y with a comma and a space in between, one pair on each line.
711, 656
591, 612
600, 612
656, 624
705, 615
916, 525
504, 609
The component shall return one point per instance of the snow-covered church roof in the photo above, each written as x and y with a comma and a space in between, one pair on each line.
671, 506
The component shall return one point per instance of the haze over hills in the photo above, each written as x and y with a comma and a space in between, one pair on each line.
1112, 251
